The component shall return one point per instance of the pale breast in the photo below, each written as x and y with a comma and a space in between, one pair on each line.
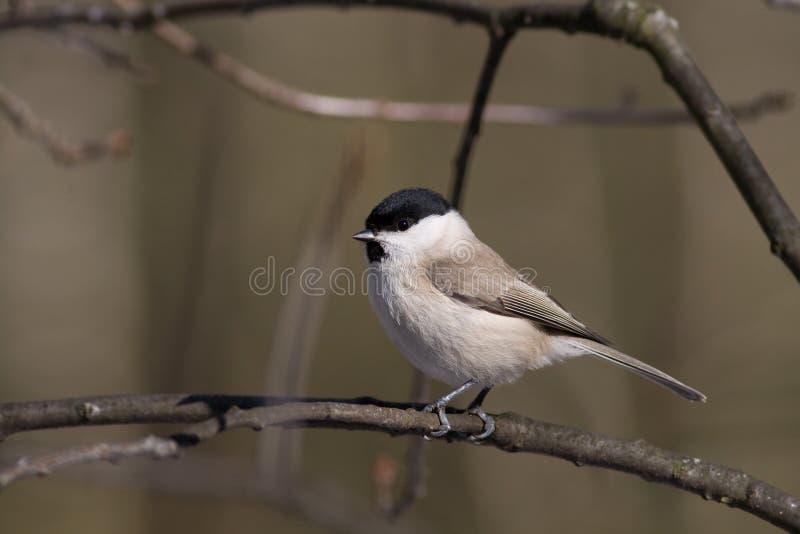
449, 340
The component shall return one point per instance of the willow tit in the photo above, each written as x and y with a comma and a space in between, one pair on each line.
460, 314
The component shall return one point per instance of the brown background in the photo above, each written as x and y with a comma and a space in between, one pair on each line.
132, 275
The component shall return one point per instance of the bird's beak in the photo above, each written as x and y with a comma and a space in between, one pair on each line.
365, 235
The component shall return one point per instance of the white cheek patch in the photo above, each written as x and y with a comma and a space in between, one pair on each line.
432, 231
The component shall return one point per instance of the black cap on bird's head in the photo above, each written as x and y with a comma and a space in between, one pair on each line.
401, 210
397, 213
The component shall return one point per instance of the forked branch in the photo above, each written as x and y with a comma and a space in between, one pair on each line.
644, 26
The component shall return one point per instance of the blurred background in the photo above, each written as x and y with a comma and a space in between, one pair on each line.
132, 275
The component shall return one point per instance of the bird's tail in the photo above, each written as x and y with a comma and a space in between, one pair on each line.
632, 364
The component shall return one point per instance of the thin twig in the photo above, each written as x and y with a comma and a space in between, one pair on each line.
514, 433
151, 446
62, 150
498, 42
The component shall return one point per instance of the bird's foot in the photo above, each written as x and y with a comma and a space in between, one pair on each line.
444, 424
488, 424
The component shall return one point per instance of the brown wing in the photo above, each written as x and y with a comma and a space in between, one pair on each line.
539, 307
483, 280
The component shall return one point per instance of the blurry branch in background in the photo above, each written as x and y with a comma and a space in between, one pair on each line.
323, 504
109, 57
300, 317
213, 414
790, 5
283, 95
320, 503
62, 150
151, 446
643, 26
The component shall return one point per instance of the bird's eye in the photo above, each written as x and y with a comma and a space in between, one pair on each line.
403, 225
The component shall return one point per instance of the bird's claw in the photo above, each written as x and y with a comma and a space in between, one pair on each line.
444, 424
488, 424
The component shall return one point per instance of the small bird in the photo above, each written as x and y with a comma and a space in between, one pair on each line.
461, 315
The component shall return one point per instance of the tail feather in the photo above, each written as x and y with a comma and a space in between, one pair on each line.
640, 368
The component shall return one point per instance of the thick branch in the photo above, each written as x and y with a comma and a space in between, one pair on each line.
215, 413
653, 30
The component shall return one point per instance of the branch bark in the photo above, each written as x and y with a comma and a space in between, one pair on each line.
651, 29
646, 27
214, 414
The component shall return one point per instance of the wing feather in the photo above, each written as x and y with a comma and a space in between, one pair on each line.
490, 284
536, 305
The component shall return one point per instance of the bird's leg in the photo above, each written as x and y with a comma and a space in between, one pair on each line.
474, 408
439, 406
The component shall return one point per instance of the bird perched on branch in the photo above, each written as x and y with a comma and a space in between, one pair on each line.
460, 314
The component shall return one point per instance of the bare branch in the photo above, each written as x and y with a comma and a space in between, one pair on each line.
323, 503
654, 31
277, 93
647, 27
514, 433
116, 143
151, 446
301, 315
